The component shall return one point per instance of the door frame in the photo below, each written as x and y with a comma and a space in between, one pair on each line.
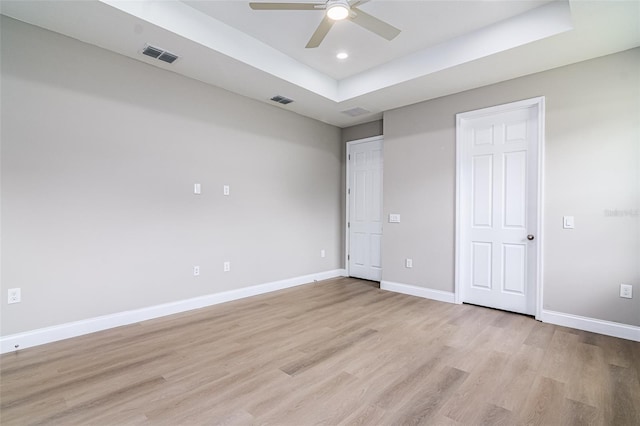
347, 244
539, 104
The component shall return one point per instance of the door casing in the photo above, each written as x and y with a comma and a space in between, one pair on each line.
347, 198
539, 104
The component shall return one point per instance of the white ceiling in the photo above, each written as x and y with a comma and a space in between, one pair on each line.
445, 46
429, 23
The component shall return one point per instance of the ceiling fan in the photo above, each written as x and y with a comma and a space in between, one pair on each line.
336, 10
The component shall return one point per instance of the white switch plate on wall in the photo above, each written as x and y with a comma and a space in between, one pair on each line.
226, 190
626, 291
197, 188
394, 218
568, 222
408, 263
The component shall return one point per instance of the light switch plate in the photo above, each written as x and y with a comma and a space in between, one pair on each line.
626, 291
226, 190
568, 222
394, 218
196, 188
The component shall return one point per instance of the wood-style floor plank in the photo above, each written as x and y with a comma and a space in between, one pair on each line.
338, 352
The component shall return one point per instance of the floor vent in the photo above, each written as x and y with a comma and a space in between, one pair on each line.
354, 112
158, 53
281, 100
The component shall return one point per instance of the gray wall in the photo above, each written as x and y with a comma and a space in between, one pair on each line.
592, 165
362, 131
98, 165
99, 157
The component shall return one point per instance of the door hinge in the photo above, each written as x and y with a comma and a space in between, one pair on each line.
348, 257
348, 224
349, 191
349, 157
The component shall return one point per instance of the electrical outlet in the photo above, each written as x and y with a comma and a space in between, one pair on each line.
226, 190
226, 266
14, 296
196, 271
408, 263
626, 291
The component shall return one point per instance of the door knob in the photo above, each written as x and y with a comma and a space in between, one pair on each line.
530, 237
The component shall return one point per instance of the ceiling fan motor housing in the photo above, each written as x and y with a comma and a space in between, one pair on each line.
338, 9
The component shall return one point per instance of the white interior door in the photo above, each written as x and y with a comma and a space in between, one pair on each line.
498, 187
365, 208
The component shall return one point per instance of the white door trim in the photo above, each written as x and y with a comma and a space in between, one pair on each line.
350, 144
539, 104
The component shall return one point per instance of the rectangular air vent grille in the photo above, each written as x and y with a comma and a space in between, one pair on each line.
354, 112
167, 57
281, 100
159, 53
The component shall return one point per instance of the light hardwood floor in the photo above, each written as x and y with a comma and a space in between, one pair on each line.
334, 352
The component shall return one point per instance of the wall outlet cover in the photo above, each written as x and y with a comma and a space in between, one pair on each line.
14, 296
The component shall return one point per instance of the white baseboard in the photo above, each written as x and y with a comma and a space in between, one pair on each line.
78, 328
427, 293
609, 328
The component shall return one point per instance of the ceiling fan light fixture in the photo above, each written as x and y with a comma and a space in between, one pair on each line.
338, 10
334, 10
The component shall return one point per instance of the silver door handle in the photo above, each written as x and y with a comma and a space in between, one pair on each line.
530, 237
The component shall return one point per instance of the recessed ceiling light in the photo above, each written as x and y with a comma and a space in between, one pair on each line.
342, 55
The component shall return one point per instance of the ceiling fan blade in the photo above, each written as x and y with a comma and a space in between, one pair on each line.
285, 6
373, 24
354, 3
320, 33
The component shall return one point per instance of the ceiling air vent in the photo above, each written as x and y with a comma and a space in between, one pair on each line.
354, 112
158, 53
281, 100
